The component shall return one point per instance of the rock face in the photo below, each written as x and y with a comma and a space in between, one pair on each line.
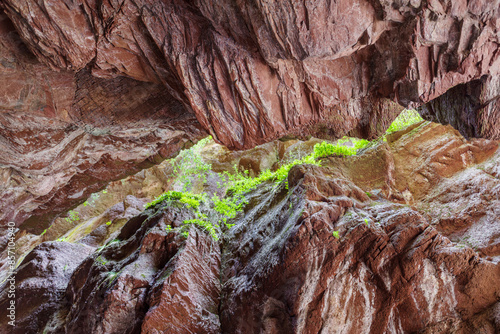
65, 135
401, 238
41, 281
253, 71
95, 88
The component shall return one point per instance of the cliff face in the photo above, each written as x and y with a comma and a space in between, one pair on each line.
403, 237
92, 77
253, 71
400, 238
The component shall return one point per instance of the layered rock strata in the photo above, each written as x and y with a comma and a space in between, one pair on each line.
108, 84
400, 238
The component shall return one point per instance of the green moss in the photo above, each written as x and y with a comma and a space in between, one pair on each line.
218, 211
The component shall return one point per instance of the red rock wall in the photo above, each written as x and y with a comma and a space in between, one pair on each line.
89, 83
253, 71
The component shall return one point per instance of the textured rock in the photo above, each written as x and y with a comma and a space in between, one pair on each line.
96, 88
134, 280
418, 250
41, 281
66, 135
254, 71
473, 108
393, 270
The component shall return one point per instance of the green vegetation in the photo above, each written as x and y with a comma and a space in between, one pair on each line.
405, 119
112, 276
216, 212
73, 216
203, 223
101, 260
191, 200
212, 212
339, 148
336, 234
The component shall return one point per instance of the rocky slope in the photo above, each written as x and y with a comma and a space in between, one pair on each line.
98, 89
401, 238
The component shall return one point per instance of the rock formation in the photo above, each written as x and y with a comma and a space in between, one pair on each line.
417, 249
250, 72
401, 238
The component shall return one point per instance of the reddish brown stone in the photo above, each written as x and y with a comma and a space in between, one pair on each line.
253, 72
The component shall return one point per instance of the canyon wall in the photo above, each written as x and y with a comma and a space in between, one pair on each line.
95, 89
400, 238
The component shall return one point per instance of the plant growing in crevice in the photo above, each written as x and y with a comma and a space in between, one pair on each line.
73, 216
216, 211
189, 165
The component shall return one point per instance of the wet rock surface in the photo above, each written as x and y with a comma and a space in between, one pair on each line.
41, 281
411, 255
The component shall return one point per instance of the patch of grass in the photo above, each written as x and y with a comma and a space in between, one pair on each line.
339, 148
191, 200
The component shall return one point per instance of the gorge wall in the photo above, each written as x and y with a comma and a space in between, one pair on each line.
106, 85
99, 91
403, 237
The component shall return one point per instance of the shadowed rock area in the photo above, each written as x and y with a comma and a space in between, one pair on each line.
400, 238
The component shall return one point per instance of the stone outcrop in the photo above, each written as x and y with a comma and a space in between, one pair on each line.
65, 135
417, 250
108, 84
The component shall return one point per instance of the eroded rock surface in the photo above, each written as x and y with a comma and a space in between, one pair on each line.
95, 88
64, 136
41, 281
417, 250
253, 71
